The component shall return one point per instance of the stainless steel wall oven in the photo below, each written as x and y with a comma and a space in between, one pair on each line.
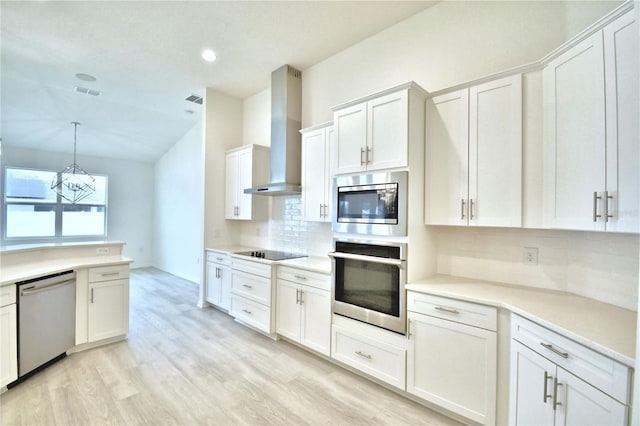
368, 282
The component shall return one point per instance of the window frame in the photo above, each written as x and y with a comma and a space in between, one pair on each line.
58, 205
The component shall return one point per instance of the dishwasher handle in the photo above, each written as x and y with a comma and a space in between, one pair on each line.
35, 290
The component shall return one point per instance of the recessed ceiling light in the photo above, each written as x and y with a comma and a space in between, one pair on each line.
85, 77
208, 55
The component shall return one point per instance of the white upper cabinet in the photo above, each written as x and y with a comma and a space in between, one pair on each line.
246, 167
473, 164
317, 171
373, 134
591, 132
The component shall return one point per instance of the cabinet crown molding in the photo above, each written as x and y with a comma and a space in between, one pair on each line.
410, 85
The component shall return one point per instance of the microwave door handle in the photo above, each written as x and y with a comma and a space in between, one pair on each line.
384, 260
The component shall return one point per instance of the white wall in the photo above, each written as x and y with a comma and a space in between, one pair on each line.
130, 202
179, 207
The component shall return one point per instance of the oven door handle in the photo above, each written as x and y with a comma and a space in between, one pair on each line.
373, 259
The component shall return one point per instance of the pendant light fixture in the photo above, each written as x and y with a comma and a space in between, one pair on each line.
74, 184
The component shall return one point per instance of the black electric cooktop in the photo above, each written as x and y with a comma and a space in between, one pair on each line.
271, 254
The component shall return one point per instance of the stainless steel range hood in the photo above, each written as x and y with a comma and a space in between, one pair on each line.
286, 114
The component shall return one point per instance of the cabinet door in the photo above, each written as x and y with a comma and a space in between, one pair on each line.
388, 131
108, 312
621, 62
330, 163
314, 178
316, 319
288, 310
531, 390
495, 153
213, 283
231, 186
224, 281
574, 143
453, 365
8, 344
245, 180
351, 138
447, 158
581, 404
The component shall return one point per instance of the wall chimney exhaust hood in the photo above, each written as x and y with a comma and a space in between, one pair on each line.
286, 115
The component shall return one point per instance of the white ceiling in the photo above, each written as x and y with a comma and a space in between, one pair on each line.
146, 58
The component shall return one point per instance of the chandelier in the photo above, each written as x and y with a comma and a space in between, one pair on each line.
73, 184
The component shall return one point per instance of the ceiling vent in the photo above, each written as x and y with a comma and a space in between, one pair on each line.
87, 91
194, 98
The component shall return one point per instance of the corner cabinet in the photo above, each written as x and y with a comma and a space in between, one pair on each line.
108, 304
8, 335
452, 357
218, 280
473, 156
373, 133
555, 380
591, 141
304, 308
317, 171
246, 167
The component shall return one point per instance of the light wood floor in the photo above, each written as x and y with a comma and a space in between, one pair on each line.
185, 365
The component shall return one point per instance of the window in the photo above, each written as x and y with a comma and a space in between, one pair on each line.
33, 210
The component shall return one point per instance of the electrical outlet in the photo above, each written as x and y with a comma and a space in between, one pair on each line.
530, 256
102, 250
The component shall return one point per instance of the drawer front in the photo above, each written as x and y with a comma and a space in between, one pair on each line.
108, 273
250, 267
7, 295
252, 313
251, 286
604, 373
380, 360
217, 257
304, 277
454, 310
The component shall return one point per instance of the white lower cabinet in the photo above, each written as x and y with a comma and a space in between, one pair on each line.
376, 352
557, 381
8, 335
451, 360
218, 281
304, 308
108, 304
252, 294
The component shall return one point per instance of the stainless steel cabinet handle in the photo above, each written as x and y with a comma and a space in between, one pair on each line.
443, 309
219, 259
108, 274
546, 379
607, 197
367, 156
462, 209
556, 384
554, 350
91, 295
217, 272
363, 355
247, 286
301, 299
470, 208
300, 277
246, 312
361, 156
297, 296
595, 206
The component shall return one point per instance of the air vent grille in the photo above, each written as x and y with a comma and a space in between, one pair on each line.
294, 72
86, 91
194, 98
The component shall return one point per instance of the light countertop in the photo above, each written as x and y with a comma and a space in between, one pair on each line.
603, 327
320, 264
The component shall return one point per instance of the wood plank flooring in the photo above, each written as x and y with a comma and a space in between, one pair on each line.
182, 365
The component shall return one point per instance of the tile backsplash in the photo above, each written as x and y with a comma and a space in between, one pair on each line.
602, 266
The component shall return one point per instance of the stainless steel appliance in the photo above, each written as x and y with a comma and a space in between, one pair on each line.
368, 282
46, 319
371, 204
271, 254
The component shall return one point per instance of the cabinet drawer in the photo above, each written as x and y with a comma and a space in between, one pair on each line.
217, 257
7, 295
251, 267
377, 359
454, 310
304, 277
252, 313
107, 273
252, 287
608, 375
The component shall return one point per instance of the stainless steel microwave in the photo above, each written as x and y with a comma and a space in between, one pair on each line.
371, 204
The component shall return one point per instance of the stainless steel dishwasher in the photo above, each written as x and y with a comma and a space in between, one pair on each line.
46, 319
